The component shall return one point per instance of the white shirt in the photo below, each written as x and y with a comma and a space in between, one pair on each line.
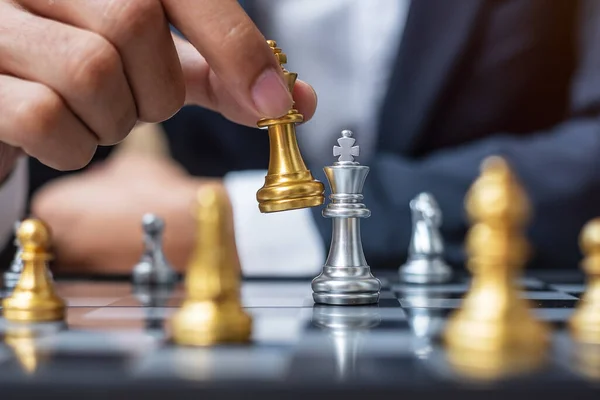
346, 60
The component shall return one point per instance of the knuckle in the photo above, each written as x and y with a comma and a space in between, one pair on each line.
164, 109
176, 100
239, 39
39, 119
133, 17
237, 32
39, 115
95, 63
72, 157
80, 158
123, 126
160, 108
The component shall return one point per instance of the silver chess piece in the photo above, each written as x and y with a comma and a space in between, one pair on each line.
346, 278
425, 262
13, 274
153, 268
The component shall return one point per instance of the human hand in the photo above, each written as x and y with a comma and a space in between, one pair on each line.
78, 74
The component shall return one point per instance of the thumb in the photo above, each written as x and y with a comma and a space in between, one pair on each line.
204, 88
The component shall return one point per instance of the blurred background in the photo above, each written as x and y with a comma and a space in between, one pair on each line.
429, 87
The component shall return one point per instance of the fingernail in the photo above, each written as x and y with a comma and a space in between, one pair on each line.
270, 95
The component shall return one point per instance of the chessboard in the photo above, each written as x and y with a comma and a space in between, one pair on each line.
115, 344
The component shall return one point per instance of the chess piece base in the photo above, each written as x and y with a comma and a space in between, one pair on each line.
483, 350
473, 329
34, 304
424, 271
346, 286
207, 323
492, 365
585, 325
23, 307
586, 358
344, 299
290, 192
15, 314
290, 204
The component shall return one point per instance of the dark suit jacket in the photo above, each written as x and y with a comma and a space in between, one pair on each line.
472, 78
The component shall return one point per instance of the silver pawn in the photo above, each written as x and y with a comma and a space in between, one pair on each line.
425, 262
13, 274
346, 278
153, 268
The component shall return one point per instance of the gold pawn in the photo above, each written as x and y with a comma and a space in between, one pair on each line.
585, 321
289, 184
212, 311
34, 299
494, 332
586, 360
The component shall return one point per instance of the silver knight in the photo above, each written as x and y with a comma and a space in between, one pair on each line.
425, 262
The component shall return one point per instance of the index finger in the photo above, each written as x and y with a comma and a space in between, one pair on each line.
235, 50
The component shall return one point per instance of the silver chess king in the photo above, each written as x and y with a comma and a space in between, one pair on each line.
346, 278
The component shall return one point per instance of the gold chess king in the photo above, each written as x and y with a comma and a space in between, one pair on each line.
289, 184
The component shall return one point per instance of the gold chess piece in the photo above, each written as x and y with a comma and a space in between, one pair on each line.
289, 184
586, 359
494, 331
585, 321
212, 311
34, 299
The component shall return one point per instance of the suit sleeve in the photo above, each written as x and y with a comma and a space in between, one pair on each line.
559, 168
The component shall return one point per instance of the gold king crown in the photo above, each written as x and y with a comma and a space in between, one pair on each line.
289, 184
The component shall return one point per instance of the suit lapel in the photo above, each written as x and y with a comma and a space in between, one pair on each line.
434, 38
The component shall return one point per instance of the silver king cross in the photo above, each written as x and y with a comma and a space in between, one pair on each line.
346, 149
